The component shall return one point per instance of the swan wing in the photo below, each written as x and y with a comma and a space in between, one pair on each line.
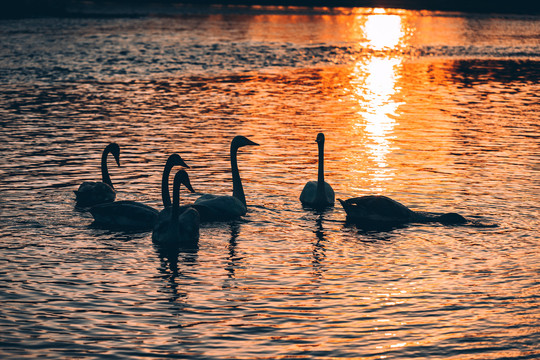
94, 193
309, 193
124, 215
214, 207
189, 221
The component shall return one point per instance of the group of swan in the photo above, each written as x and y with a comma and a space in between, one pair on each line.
179, 225
174, 225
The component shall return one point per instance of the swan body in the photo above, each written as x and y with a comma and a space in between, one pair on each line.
377, 209
125, 215
219, 207
91, 193
133, 215
177, 227
317, 194
225, 207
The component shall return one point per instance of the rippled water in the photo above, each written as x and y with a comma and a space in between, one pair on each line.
436, 110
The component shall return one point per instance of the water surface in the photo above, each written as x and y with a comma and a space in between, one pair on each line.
436, 110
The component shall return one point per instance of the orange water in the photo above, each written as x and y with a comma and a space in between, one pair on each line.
438, 111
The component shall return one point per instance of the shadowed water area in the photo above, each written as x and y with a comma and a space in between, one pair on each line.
436, 110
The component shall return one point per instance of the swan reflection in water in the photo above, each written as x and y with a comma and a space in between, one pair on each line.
169, 258
319, 247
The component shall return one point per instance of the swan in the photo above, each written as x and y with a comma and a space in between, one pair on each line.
225, 207
317, 194
133, 215
176, 227
381, 210
92, 193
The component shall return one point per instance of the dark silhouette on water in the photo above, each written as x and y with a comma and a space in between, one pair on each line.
133, 215
178, 227
382, 213
318, 194
226, 207
91, 193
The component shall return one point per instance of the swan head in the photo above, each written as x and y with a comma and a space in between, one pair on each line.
182, 177
114, 149
176, 159
240, 141
452, 219
320, 138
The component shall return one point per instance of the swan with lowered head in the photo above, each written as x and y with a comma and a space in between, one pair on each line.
225, 207
177, 227
318, 194
91, 193
133, 215
378, 210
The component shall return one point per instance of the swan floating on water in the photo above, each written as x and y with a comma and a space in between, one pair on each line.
133, 215
318, 194
225, 207
378, 210
177, 227
91, 193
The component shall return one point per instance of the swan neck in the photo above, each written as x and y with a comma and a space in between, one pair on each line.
165, 194
238, 190
320, 176
104, 169
176, 202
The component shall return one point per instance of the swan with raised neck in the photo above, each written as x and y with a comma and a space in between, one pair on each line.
133, 215
177, 227
225, 207
173, 160
91, 193
318, 194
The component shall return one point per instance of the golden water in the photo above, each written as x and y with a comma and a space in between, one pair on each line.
438, 111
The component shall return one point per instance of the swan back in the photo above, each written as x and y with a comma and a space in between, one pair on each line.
219, 207
124, 215
377, 208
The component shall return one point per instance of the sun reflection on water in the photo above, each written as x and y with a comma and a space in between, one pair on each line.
374, 81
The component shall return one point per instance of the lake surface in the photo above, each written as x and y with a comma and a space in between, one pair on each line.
436, 110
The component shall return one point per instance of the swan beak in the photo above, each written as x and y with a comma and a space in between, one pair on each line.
189, 187
252, 143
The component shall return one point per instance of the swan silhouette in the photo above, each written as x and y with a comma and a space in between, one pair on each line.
378, 210
225, 207
177, 227
91, 193
318, 194
133, 215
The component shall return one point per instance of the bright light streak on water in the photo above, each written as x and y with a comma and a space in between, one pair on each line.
438, 111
